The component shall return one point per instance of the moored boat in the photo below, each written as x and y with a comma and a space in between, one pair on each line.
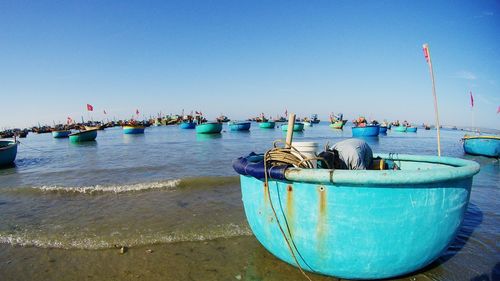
133, 129
482, 145
297, 127
82, 136
399, 129
341, 221
239, 126
209, 128
411, 129
267, 125
383, 130
187, 125
8, 152
61, 134
338, 124
366, 131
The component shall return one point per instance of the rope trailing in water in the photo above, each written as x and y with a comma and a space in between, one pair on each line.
29, 146
277, 156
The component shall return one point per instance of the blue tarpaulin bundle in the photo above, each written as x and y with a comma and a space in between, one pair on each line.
253, 165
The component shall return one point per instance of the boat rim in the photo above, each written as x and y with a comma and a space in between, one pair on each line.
81, 132
467, 137
11, 143
457, 169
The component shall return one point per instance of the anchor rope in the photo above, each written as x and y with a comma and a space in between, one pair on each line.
284, 156
24, 144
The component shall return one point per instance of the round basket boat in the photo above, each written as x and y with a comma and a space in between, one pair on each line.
358, 224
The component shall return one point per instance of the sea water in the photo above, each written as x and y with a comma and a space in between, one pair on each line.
171, 196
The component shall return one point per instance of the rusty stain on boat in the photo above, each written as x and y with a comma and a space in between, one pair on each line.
289, 208
322, 219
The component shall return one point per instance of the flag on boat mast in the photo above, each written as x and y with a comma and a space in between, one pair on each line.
105, 111
90, 107
471, 99
137, 112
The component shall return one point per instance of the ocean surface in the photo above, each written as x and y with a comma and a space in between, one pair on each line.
172, 191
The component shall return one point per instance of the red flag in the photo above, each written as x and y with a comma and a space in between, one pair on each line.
137, 111
471, 100
90, 107
426, 52
105, 111
286, 112
498, 110
69, 121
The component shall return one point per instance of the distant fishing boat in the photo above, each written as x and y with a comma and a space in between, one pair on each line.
96, 127
58, 134
399, 129
209, 128
307, 123
239, 126
82, 136
297, 127
482, 145
383, 130
8, 152
133, 129
366, 131
411, 129
358, 224
338, 124
314, 119
187, 125
267, 125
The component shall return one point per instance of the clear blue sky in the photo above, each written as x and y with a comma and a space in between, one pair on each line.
241, 58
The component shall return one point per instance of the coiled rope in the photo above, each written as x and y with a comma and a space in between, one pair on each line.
278, 156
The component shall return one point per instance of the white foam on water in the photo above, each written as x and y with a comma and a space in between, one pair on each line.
111, 188
96, 243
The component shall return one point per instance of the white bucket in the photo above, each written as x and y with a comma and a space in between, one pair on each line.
308, 149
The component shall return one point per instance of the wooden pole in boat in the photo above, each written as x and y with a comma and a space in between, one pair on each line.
427, 55
289, 132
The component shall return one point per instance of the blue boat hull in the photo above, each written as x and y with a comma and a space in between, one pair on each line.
361, 224
383, 130
368, 131
8, 152
187, 125
129, 130
60, 134
209, 128
484, 146
242, 126
297, 127
83, 136
267, 125
411, 129
399, 129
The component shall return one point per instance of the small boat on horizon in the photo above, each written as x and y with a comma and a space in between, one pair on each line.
83, 136
483, 145
339, 124
8, 152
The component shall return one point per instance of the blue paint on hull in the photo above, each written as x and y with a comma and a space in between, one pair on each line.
209, 128
411, 129
367, 131
88, 135
8, 152
399, 129
187, 125
240, 126
297, 127
362, 224
481, 145
61, 134
133, 130
267, 125
383, 130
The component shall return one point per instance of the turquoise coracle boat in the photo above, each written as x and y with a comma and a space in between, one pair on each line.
88, 135
366, 131
61, 134
482, 145
297, 127
399, 129
8, 152
358, 224
239, 126
267, 125
187, 125
209, 128
133, 129
411, 129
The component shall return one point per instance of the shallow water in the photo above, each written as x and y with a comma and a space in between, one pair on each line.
172, 190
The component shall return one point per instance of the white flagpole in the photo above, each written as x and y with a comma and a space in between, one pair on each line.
427, 54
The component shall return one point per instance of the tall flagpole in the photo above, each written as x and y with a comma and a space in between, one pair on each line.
427, 55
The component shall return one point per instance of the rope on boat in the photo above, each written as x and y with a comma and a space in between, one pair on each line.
277, 156
30, 146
